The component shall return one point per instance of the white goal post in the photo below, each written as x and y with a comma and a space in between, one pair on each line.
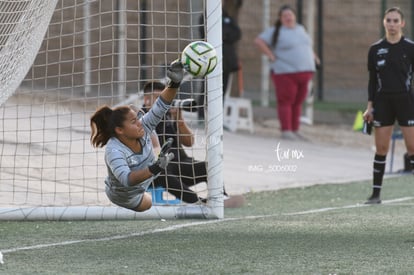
62, 59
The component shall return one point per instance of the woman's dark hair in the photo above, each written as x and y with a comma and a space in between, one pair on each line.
104, 121
396, 9
278, 23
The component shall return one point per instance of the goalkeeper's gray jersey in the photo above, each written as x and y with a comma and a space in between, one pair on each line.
121, 160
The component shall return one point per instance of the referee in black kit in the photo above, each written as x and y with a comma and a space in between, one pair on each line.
390, 95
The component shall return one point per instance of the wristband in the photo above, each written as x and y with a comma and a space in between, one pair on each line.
174, 85
155, 169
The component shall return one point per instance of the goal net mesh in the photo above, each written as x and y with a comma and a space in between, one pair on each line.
60, 61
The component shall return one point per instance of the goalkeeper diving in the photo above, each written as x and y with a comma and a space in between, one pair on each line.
131, 162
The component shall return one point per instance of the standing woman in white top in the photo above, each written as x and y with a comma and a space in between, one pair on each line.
289, 49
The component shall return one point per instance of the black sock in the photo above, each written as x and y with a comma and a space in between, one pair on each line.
378, 174
412, 162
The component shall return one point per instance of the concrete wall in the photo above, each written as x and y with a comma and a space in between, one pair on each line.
350, 26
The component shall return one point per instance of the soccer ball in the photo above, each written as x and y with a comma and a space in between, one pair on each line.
199, 58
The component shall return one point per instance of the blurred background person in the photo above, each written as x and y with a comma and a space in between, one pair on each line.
231, 33
293, 62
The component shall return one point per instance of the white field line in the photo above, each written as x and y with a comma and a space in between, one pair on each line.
179, 226
346, 207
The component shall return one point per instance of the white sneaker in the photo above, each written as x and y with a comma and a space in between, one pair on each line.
288, 135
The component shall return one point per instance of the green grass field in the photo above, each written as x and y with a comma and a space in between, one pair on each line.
316, 230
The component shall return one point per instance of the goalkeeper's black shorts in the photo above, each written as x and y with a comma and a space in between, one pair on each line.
391, 107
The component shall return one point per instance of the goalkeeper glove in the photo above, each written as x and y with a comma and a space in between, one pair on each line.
163, 158
176, 73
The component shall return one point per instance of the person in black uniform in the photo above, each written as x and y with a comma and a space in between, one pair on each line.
231, 33
390, 94
183, 171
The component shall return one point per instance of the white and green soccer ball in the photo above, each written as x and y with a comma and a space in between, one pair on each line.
199, 58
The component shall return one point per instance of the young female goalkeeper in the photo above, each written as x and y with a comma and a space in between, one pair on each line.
390, 94
129, 155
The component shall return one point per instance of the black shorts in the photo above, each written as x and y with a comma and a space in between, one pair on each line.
389, 107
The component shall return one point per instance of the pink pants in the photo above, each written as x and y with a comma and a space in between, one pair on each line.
291, 91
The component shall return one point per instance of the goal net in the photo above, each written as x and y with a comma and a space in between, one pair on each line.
60, 60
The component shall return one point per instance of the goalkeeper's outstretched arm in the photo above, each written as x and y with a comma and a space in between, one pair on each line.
176, 73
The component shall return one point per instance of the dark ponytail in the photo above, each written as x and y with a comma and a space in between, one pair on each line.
275, 36
278, 23
103, 124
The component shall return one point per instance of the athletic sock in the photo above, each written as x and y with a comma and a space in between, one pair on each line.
412, 162
378, 174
